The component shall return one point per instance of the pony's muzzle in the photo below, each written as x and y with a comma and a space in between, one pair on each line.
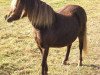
8, 18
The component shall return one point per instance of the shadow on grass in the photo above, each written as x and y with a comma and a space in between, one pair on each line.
10, 68
7, 69
92, 66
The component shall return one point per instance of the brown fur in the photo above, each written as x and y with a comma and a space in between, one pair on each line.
70, 10
55, 29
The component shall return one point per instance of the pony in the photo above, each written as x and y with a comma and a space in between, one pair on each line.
53, 29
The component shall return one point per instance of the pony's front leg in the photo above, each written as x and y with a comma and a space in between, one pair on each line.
44, 60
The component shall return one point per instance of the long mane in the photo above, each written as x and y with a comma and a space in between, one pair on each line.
13, 4
40, 14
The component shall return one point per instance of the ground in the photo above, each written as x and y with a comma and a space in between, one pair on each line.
19, 54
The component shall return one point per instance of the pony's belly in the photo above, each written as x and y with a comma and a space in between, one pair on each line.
62, 43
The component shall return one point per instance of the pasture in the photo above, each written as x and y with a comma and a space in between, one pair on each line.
19, 54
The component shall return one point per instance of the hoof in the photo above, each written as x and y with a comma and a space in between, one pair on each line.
45, 73
65, 63
80, 64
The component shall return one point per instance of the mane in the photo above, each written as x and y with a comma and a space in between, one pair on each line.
13, 4
40, 14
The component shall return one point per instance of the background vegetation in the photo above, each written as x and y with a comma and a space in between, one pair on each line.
19, 54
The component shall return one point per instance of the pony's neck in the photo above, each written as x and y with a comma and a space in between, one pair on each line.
41, 15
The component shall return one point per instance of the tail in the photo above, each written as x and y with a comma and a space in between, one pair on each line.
85, 42
82, 19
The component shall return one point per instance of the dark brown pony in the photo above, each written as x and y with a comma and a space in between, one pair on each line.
53, 29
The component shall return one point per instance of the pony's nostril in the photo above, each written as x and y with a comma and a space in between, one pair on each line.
9, 19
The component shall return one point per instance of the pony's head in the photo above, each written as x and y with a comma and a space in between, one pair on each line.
17, 11
39, 13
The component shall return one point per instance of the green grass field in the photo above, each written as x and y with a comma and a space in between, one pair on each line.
19, 54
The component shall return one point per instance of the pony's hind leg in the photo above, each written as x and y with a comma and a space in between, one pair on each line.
67, 55
80, 48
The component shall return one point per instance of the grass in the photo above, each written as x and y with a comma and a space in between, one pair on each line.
19, 54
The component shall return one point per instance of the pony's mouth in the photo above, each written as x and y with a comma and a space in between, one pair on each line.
8, 19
